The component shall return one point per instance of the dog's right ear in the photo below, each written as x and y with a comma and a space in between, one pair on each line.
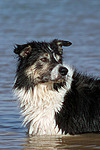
22, 50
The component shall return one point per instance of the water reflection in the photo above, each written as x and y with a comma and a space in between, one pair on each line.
16, 140
86, 141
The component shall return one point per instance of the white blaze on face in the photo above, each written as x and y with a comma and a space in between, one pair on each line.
50, 49
55, 73
56, 57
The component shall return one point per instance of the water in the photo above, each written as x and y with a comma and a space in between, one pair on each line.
22, 21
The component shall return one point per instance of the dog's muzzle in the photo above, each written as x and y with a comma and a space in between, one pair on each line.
59, 73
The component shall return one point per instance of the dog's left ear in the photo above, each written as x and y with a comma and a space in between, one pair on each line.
61, 43
22, 50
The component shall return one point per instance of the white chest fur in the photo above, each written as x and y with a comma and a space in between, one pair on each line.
39, 107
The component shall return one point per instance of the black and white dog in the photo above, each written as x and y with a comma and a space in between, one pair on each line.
55, 99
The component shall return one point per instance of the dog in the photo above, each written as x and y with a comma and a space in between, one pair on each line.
55, 99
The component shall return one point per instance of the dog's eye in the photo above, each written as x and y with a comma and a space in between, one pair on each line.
44, 59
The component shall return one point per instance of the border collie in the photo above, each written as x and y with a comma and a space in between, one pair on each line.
54, 98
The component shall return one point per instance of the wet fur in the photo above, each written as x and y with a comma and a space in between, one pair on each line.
53, 104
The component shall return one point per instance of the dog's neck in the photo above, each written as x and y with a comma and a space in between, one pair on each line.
39, 107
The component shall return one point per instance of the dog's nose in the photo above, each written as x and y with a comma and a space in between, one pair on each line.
63, 71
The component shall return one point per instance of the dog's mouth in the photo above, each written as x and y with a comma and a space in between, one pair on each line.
59, 80
55, 84
52, 81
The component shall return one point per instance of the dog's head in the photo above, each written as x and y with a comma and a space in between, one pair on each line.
40, 62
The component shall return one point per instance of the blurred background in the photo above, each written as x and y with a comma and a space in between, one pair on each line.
23, 21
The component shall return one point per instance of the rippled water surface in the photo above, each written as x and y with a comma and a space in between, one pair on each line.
22, 21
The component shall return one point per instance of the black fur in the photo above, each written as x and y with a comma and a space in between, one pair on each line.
81, 107
80, 112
